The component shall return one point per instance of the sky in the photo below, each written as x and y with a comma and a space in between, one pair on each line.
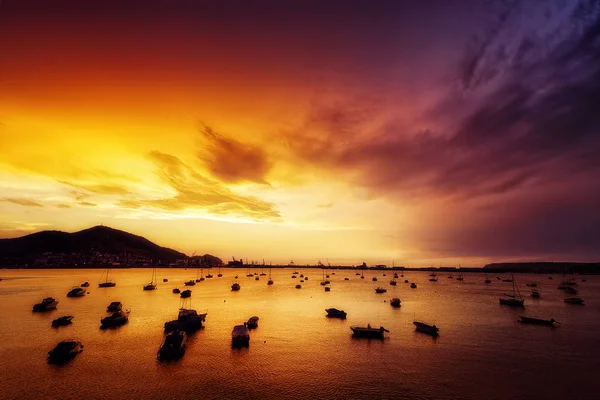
393, 132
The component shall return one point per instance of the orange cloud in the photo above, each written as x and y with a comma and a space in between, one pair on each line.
22, 202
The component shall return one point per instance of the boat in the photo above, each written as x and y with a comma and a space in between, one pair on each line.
380, 290
188, 320
85, 284
270, 282
62, 321
117, 318
107, 282
346, 279
173, 346
298, 286
114, 306
368, 332
235, 287
76, 292
191, 282
176, 290
426, 328
571, 290
460, 277
185, 294
209, 275
240, 336
507, 280
537, 321
395, 302
335, 313
165, 280
257, 278
535, 293
64, 351
450, 277
514, 300
152, 284
433, 279
219, 274
294, 276
374, 279
327, 289
252, 323
413, 285
395, 275
531, 284
574, 300
46, 304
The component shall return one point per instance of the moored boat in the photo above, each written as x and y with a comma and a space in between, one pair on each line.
117, 318
514, 300
535, 293
235, 287
537, 321
191, 282
380, 290
298, 286
173, 346
327, 289
188, 320
240, 336
114, 306
46, 304
574, 300
185, 294
335, 313
85, 284
413, 285
152, 285
426, 328
76, 292
176, 290
252, 323
395, 302
62, 321
368, 331
107, 282
64, 351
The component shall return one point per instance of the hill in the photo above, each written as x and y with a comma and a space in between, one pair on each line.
96, 240
544, 267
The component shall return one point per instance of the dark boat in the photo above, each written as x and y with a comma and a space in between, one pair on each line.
426, 328
235, 287
64, 351
185, 294
76, 292
514, 300
537, 321
413, 285
107, 283
165, 280
173, 347
117, 318
252, 323
327, 289
531, 284
187, 320
374, 279
85, 284
298, 286
571, 290
62, 321
346, 279
190, 283
393, 282
395, 302
152, 285
176, 290
574, 300
368, 332
46, 305
114, 306
240, 336
380, 290
535, 293
335, 313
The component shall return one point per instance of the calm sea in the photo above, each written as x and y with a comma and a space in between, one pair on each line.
296, 352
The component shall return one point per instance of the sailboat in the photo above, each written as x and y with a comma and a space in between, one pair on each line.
200, 278
152, 284
270, 282
220, 274
513, 300
106, 282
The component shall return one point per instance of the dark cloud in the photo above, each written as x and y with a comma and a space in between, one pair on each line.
22, 202
194, 191
233, 161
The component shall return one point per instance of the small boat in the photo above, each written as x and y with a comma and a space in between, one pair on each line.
346, 279
62, 321
240, 336
413, 285
185, 294
306, 278
335, 313
450, 277
298, 286
165, 280
257, 278
76, 292
64, 351
380, 290
514, 300
537, 321
574, 300
406, 281
235, 287
85, 284
374, 279
535, 293
173, 347
368, 332
191, 282
507, 280
531, 284
117, 318
188, 320
460, 277
327, 289
208, 276
152, 285
294, 276
434, 279
393, 282
46, 305
357, 274
176, 290
107, 282
395, 275
301, 275
270, 282
426, 328
252, 323
114, 306
571, 290
395, 302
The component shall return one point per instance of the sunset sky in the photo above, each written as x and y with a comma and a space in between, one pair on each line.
419, 132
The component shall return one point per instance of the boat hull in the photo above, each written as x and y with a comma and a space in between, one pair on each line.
426, 328
536, 321
512, 302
